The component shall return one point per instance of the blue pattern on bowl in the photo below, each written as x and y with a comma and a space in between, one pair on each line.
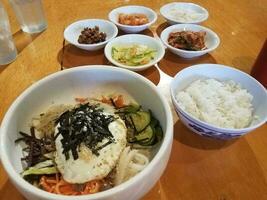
204, 131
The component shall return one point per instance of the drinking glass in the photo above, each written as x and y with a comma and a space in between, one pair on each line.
30, 14
8, 51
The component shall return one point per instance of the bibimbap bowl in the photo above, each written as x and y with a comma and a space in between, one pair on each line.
62, 88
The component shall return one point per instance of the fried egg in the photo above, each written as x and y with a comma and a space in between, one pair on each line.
89, 166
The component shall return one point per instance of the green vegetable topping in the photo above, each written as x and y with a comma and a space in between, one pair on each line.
46, 167
133, 55
142, 127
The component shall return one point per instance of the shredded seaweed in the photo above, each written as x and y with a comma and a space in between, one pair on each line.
85, 124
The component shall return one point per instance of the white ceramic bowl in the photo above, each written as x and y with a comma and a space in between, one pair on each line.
199, 13
212, 40
222, 73
72, 32
114, 15
61, 88
132, 39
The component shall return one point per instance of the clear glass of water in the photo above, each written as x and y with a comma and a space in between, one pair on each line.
30, 14
8, 51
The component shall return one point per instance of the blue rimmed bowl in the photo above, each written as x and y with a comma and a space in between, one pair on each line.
222, 73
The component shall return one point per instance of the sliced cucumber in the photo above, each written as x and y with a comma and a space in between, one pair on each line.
153, 122
142, 128
133, 108
150, 140
153, 137
159, 133
146, 134
133, 55
141, 120
156, 128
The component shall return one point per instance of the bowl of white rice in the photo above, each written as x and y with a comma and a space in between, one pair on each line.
218, 101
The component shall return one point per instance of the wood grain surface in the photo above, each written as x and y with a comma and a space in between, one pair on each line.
199, 168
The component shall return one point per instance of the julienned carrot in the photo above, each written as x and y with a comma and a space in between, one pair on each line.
58, 185
119, 101
106, 100
91, 188
81, 99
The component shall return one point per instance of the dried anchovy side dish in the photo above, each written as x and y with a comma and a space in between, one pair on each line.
91, 146
188, 40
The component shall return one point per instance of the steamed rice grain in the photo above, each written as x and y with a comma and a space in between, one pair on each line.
223, 104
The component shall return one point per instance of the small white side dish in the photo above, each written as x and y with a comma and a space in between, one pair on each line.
72, 32
212, 40
181, 12
132, 39
114, 15
61, 88
221, 73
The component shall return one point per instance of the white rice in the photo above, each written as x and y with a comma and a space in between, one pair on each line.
223, 104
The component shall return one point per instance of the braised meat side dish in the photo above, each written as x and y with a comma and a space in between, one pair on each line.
188, 40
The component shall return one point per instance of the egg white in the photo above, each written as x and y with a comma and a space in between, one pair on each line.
88, 166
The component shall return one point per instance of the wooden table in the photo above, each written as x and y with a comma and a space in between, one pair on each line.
199, 168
